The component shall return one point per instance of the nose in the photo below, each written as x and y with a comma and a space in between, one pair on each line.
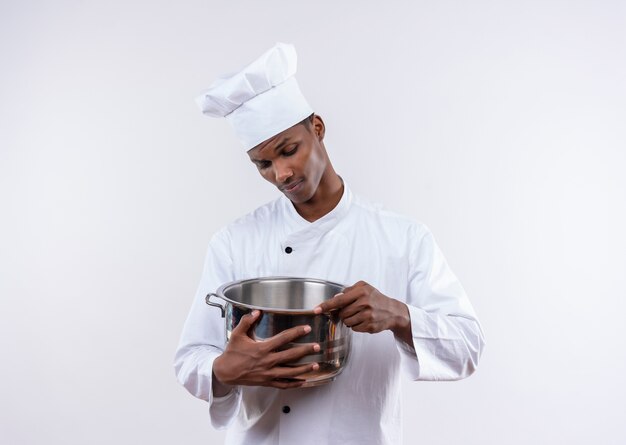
283, 171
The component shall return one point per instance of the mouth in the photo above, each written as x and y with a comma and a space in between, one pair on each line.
292, 187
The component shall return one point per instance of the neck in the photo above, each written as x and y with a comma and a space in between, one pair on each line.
326, 197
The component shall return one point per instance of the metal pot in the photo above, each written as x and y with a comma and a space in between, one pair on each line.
285, 303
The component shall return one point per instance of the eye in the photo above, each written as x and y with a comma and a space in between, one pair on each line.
263, 164
291, 151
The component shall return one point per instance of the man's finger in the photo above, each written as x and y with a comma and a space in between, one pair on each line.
285, 384
355, 319
334, 303
286, 336
356, 285
246, 322
349, 311
294, 353
291, 376
348, 295
293, 372
338, 301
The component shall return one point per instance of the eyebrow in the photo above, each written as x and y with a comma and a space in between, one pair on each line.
282, 143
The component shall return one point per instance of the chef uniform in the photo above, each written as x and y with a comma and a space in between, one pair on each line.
354, 241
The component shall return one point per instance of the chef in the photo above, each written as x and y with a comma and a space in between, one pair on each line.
408, 312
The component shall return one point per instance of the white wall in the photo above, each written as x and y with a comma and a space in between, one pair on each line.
498, 124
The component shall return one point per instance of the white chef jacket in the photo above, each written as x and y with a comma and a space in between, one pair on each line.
355, 241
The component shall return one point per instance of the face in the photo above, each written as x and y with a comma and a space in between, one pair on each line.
293, 160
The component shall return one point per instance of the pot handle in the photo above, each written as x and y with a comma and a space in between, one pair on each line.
210, 303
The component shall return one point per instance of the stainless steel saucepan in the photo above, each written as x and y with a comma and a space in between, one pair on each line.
285, 303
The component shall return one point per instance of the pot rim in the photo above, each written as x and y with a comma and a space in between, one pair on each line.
220, 293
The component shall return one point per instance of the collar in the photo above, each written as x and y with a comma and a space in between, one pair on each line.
299, 229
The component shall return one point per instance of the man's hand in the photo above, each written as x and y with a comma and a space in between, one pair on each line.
246, 361
364, 309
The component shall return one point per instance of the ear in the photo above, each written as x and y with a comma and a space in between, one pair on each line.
318, 127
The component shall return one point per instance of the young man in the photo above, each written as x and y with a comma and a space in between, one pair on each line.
406, 308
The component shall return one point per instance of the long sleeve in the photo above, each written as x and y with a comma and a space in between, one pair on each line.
447, 336
203, 337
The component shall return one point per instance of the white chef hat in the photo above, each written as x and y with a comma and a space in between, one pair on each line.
262, 99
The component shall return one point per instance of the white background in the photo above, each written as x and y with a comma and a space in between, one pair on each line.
498, 124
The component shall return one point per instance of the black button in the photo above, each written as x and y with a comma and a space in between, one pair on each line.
286, 409
288, 249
